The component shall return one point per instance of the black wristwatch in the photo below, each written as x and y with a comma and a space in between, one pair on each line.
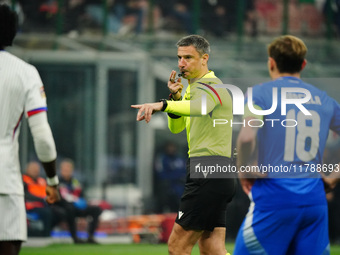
165, 104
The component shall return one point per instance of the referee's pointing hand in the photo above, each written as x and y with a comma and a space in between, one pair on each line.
146, 110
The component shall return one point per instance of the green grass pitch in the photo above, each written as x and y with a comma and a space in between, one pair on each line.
115, 249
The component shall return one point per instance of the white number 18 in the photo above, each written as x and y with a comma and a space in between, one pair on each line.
296, 137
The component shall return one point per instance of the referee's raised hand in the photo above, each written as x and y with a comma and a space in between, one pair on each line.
175, 86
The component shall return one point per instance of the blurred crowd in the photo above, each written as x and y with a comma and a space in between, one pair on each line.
216, 17
42, 218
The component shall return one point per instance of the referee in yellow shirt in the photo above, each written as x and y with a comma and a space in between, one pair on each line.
208, 190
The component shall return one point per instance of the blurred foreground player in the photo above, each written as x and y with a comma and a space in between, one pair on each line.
288, 210
202, 210
21, 93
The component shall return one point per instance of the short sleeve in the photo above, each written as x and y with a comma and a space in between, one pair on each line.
335, 121
257, 101
257, 97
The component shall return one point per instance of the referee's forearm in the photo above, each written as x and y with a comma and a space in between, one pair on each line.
189, 108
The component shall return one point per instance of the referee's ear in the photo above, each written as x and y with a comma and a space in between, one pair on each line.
205, 58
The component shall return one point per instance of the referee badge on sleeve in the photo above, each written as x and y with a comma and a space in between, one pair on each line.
42, 92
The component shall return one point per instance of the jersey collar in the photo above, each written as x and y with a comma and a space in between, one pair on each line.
208, 75
288, 78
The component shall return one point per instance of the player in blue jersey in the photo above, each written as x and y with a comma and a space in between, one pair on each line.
288, 210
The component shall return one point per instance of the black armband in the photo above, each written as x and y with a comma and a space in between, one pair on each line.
173, 116
165, 104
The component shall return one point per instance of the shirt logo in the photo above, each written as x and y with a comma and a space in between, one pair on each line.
187, 96
209, 93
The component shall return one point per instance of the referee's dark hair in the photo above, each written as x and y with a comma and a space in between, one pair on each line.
199, 42
8, 25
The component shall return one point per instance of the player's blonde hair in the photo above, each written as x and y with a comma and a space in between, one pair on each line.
288, 52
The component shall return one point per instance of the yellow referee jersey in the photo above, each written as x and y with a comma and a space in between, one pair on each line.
206, 113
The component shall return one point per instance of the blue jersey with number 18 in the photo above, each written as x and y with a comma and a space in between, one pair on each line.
291, 146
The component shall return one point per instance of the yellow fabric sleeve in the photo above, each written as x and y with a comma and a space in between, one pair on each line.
176, 125
189, 108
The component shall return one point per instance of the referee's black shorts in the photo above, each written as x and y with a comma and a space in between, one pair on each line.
204, 201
